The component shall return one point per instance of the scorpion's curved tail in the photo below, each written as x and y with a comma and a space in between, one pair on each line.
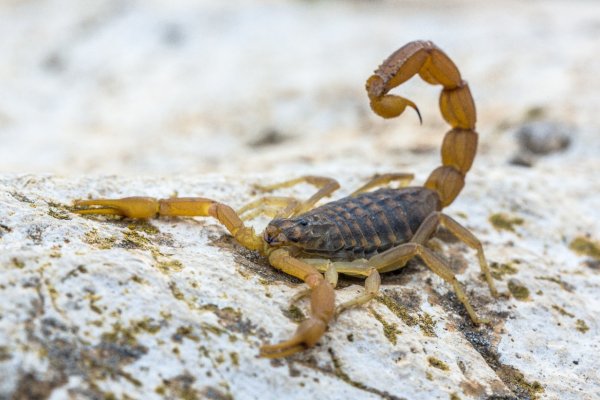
456, 104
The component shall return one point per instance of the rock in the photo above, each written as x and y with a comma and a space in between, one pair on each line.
192, 98
99, 307
544, 137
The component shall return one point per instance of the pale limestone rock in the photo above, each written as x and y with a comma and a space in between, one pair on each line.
94, 307
173, 91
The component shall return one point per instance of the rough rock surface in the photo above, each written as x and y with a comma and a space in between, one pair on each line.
99, 307
190, 95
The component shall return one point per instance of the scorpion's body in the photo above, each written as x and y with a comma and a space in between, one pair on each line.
361, 235
359, 227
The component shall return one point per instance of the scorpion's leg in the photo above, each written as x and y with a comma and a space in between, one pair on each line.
398, 256
431, 223
272, 206
384, 179
331, 275
326, 186
357, 268
322, 304
148, 207
372, 284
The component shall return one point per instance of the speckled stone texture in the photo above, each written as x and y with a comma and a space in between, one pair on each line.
208, 99
102, 307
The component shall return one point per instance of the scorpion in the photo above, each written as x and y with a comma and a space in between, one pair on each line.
365, 234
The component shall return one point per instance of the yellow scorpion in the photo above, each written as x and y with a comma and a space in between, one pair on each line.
364, 234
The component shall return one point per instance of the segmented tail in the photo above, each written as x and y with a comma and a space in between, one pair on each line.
456, 105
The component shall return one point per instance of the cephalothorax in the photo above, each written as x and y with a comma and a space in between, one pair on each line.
366, 233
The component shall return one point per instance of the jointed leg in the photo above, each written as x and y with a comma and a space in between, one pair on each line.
399, 255
271, 206
148, 207
354, 268
325, 185
380, 180
331, 276
372, 284
431, 223
322, 305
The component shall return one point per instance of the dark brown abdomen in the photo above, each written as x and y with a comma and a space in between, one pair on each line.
362, 226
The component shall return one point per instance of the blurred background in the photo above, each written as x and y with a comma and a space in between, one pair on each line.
191, 87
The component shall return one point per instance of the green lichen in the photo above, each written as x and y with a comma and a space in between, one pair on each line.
518, 290
21, 197
389, 330
80, 269
581, 326
215, 330
585, 247
437, 363
185, 332
562, 311
294, 313
499, 270
462, 214
19, 264
121, 335
526, 389
4, 353
93, 238
134, 240
502, 221
181, 387
138, 279
92, 299
130, 378
176, 292
427, 325
235, 359
141, 225
137, 236
164, 264
147, 325
55, 252
555, 279
425, 322
398, 309
59, 211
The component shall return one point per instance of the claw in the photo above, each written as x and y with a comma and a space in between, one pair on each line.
131, 207
309, 332
390, 106
307, 335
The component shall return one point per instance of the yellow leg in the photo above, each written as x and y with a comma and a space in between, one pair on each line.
384, 179
271, 206
325, 185
358, 267
331, 276
148, 207
372, 284
322, 305
431, 223
399, 255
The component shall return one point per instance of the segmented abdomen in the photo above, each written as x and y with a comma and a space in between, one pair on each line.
362, 226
